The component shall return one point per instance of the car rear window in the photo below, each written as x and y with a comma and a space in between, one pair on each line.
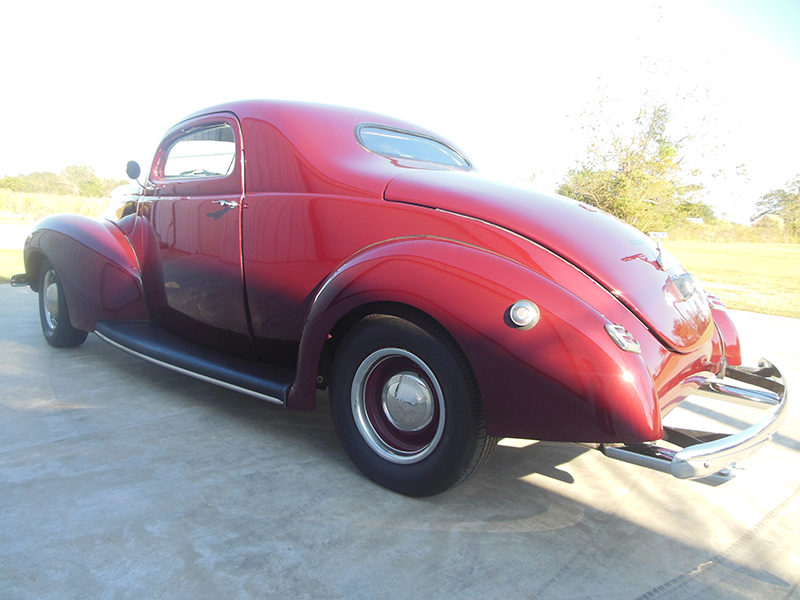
397, 143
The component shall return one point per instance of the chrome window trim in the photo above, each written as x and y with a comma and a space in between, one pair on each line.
181, 136
357, 132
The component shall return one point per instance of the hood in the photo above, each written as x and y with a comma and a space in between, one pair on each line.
619, 257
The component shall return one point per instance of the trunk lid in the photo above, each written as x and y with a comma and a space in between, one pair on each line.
619, 257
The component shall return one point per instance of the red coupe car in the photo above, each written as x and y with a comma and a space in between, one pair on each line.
275, 248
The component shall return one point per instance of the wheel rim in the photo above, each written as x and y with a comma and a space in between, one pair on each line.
50, 291
398, 405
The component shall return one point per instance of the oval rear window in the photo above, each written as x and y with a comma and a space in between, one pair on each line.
397, 143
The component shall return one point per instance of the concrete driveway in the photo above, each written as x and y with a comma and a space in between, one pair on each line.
119, 479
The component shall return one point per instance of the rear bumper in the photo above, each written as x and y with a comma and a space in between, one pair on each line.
20, 280
702, 454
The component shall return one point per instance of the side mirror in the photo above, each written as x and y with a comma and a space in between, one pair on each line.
133, 170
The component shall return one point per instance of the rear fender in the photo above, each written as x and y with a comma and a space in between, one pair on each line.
98, 269
564, 379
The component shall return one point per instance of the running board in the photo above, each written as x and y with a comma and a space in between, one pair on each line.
158, 346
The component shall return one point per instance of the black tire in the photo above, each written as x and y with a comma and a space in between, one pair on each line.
53, 311
420, 447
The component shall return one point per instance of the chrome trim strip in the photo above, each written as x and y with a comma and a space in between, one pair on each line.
357, 132
721, 455
224, 384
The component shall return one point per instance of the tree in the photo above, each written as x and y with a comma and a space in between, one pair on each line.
83, 180
638, 178
784, 204
40, 182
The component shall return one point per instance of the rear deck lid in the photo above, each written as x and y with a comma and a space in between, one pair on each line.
619, 257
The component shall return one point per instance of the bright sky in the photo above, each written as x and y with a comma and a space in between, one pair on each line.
86, 83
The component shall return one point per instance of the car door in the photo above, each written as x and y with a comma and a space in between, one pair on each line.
193, 208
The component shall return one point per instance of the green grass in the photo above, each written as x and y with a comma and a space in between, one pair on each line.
762, 278
725, 232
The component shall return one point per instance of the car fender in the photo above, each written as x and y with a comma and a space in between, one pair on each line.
564, 379
98, 268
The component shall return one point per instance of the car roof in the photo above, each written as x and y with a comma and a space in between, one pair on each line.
321, 137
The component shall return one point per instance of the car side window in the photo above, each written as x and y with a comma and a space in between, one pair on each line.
204, 152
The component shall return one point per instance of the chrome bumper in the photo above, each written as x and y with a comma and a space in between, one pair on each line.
715, 455
20, 280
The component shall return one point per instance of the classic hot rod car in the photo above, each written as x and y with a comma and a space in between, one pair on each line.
275, 248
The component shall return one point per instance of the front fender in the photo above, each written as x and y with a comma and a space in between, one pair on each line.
563, 380
98, 269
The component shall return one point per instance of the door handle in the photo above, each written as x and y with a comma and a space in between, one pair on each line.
226, 203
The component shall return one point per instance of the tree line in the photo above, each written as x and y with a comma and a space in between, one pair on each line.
640, 178
75, 180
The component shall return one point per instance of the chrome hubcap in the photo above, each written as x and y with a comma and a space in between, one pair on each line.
50, 300
408, 401
398, 406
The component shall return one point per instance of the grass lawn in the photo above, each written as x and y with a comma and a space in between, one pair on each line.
762, 278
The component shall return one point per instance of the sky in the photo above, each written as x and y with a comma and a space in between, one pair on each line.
515, 84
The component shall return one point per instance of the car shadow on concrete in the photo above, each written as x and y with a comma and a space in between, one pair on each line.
122, 478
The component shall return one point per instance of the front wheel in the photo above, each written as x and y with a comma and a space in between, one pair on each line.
53, 312
406, 406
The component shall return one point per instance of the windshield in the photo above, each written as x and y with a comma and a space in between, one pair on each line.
396, 143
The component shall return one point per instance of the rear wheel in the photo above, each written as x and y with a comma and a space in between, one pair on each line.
407, 407
53, 312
